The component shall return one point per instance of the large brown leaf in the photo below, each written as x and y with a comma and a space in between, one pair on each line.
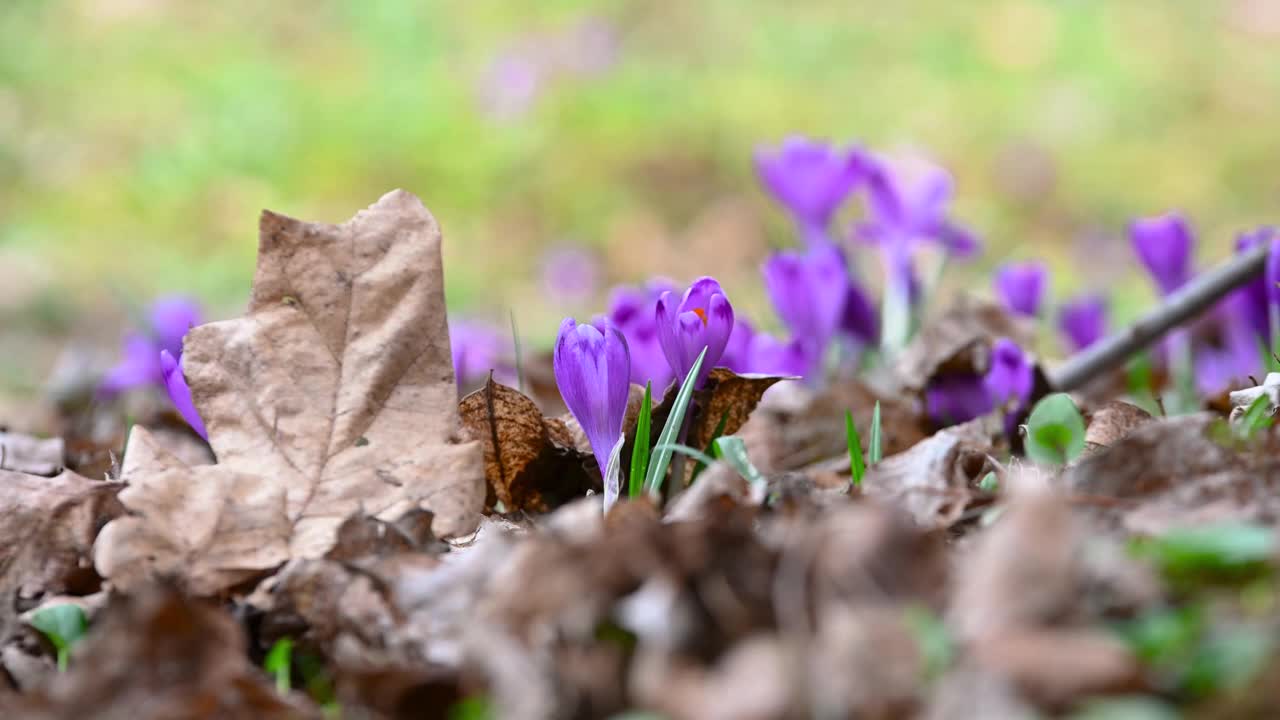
333, 395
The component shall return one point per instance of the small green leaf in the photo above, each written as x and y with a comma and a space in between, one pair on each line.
989, 483
857, 466
734, 452
279, 663
64, 625
875, 452
1256, 418
934, 641
662, 458
1055, 431
1229, 553
471, 708
687, 451
640, 451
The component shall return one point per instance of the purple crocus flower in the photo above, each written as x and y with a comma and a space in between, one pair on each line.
593, 370
1020, 287
772, 356
811, 179
1083, 320
737, 353
634, 312
1010, 378
1164, 245
168, 320
809, 292
180, 394
861, 319
702, 319
1226, 348
478, 348
956, 398
1262, 293
570, 273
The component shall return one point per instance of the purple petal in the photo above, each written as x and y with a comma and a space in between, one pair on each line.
773, 357
592, 371
1011, 376
170, 319
1272, 274
860, 319
1020, 287
809, 291
1163, 244
1083, 320
737, 353
180, 394
956, 398
140, 366
810, 178
478, 348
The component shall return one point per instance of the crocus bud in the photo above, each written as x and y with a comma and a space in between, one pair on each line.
956, 398
1020, 287
809, 292
170, 319
1163, 244
1011, 376
811, 179
593, 371
702, 319
179, 394
1083, 320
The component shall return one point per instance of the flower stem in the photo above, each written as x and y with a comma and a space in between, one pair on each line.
677, 462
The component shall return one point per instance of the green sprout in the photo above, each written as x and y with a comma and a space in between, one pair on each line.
1055, 431
640, 451
64, 625
857, 466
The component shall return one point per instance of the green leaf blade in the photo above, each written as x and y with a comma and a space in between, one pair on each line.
875, 452
1055, 431
662, 458
857, 466
640, 451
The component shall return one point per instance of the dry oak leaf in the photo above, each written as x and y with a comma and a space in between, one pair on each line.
333, 395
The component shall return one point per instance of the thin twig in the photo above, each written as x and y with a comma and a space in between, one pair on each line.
1185, 304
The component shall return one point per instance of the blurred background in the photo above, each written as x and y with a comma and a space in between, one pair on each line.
566, 146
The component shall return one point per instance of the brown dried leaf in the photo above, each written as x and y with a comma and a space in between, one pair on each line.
47, 530
729, 397
1179, 472
160, 656
1113, 421
794, 427
531, 462
959, 340
935, 480
28, 454
333, 395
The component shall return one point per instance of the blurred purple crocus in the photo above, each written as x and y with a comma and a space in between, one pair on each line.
1262, 294
737, 353
1010, 378
955, 398
1083, 321
811, 179
180, 394
634, 312
478, 348
1020, 287
1164, 245
168, 320
809, 292
702, 319
593, 370
570, 273
771, 356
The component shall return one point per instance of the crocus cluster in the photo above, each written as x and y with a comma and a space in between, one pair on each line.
595, 365
1229, 344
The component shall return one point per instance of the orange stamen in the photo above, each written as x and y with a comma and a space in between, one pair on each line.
701, 314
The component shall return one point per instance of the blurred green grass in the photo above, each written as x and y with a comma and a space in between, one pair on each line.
140, 138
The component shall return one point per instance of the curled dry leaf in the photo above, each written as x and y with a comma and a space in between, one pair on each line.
47, 530
1112, 422
1180, 472
333, 395
936, 479
158, 655
959, 340
531, 463
28, 454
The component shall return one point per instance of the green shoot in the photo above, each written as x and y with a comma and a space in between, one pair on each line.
471, 708
989, 483
857, 466
279, 663
874, 452
687, 451
640, 451
1228, 553
662, 457
1256, 418
734, 452
64, 625
1055, 431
